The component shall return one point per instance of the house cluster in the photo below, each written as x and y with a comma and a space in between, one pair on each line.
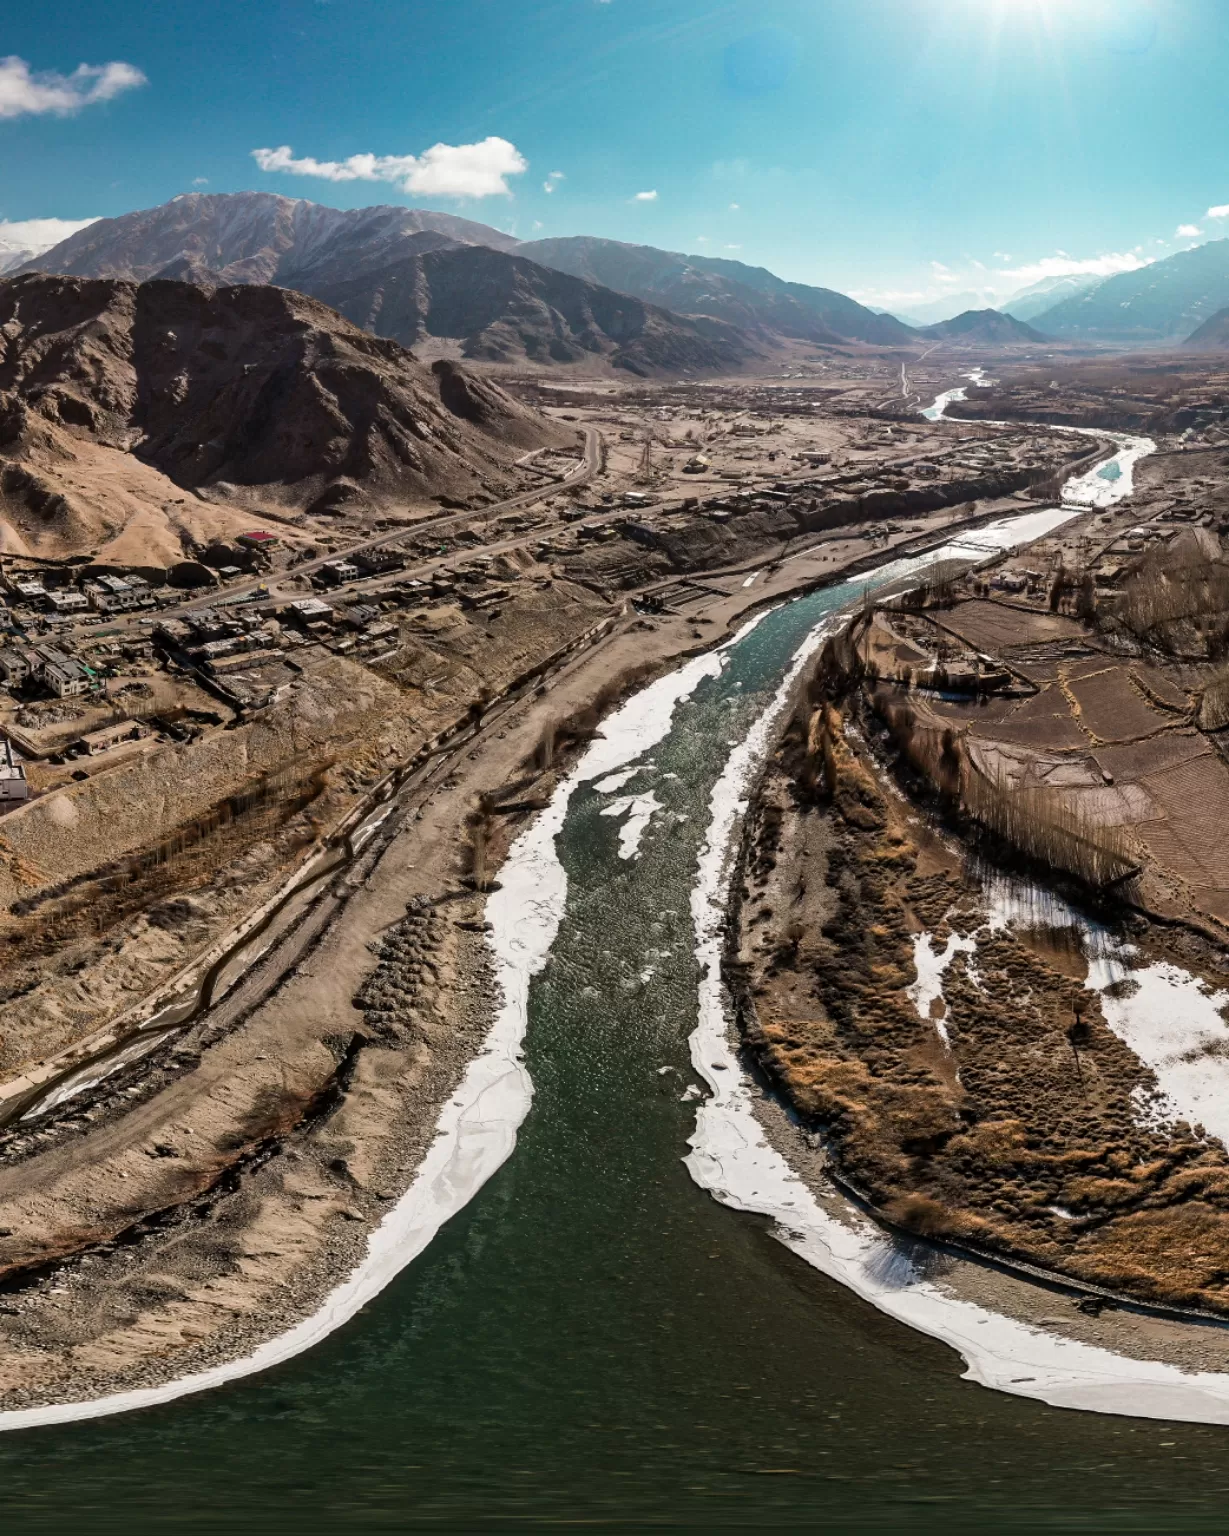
104, 594
363, 562
46, 667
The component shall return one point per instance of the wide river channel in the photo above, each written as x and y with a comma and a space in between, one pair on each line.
594, 1340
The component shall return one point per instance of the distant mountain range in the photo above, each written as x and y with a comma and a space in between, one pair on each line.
1034, 300
417, 276
1164, 301
750, 297
412, 274
984, 327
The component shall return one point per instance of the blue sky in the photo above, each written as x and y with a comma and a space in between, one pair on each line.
890, 148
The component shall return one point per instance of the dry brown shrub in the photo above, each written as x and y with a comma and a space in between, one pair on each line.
921, 1214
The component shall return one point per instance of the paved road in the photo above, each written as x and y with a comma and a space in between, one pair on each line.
584, 472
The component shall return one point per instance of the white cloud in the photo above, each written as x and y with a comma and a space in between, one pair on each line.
444, 170
200, 181
701, 239
1221, 211
1188, 231
645, 197
733, 207
537, 224
24, 92
733, 247
1002, 256
552, 181
1063, 265
38, 235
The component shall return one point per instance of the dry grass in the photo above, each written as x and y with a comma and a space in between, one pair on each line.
1050, 827
1177, 604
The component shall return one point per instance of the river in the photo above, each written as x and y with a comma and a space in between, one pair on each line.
593, 1339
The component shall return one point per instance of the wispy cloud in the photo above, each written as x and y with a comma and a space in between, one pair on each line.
38, 235
1063, 265
1188, 231
25, 92
645, 197
552, 181
733, 247
444, 170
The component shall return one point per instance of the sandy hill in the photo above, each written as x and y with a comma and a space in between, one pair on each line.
136, 419
984, 327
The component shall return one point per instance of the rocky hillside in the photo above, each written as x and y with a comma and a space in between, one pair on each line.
750, 297
143, 415
1166, 300
983, 327
1212, 335
506, 309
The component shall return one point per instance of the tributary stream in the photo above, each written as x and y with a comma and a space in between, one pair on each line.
593, 1340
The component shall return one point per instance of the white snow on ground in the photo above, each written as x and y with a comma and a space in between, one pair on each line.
1175, 1025
639, 812
931, 968
1115, 478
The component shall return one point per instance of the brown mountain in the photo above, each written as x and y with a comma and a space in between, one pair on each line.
750, 297
138, 418
984, 327
404, 273
503, 308
252, 237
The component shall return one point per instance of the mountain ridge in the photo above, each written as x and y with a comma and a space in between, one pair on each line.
117, 397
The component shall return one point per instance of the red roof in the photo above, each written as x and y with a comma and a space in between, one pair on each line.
259, 534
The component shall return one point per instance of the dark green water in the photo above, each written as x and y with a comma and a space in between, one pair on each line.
593, 1341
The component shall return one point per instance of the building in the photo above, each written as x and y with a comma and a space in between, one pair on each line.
310, 610
114, 594
111, 735
16, 665
259, 540
66, 600
334, 572
13, 786
374, 562
61, 674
